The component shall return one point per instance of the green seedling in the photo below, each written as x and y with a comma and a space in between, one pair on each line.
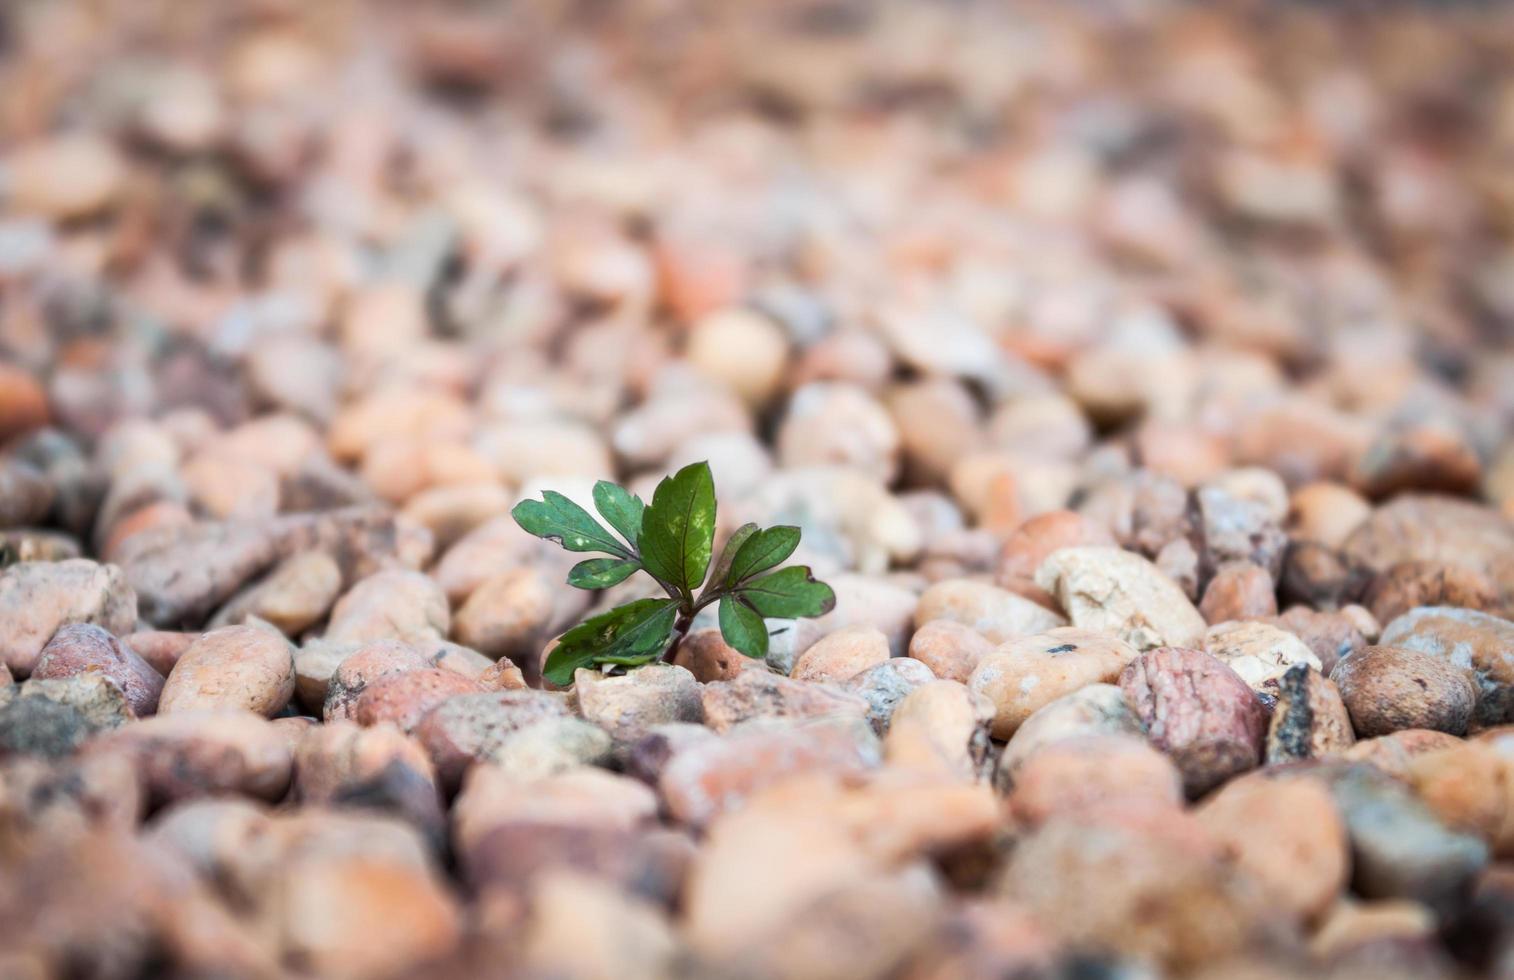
673, 541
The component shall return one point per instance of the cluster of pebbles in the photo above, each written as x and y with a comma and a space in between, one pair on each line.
1139, 374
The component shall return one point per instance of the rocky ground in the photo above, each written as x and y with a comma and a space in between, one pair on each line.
1141, 378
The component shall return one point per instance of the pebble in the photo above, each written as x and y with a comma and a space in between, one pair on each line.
36, 598
404, 697
759, 694
468, 728
704, 654
629, 705
950, 649
1310, 720
1261, 654
1387, 689
1399, 849
376, 768
741, 350
884, 685
232, 667
1287, 835
1470, 639
1107, 590
358, 667
1331, 635
1081, 774
998, 615
1165, 898
1098, 709
82, 648
1411, 584
707, 780
941, 727
1198, 711
393, 605
507, 615
1326, 513
837, 424
1392, 754
842, 654
552, 746
204, 753
53, 717
1024, 675
1239, 590
296, 595
160, 648
1469, 788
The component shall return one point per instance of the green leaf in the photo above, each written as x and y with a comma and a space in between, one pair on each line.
728, 553
742, 628
678, 530
621, 508
601, 573
559, 519
764, 550
634, 633
788, 594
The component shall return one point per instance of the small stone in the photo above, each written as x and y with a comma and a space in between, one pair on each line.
1098, 709
1326, 513
85, 648
705, 654
392, 605
1387, 689
469, 728
1470, 788
1351, 925
1411, 584
356, 669
884, 685
1259, 653
405, 697
161, 648
1331, 635
1235, 528
1238, 590
1393, 754
493, 797
377, 768
1288, 836
204, 753
36, 598
69, 176
759, 694
233, 667
552, 746
1165, 898
628, 705
996, 614
1310, 720
1415, 527
1107, 590
941, 727
1024, 675
508, 615
25, 494
295, 596
840, 655
314, 665
950, 649
502, 675
1317, 576
740, 349
706, 780
1075, 775
1198, 711
1399, 849
450, 512
1467, 638
837, 424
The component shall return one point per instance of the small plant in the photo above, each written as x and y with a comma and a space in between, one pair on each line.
672, 540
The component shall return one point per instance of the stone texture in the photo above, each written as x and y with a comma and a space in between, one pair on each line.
1199, 712
233, 667
1023, 675
1387, 689
36, 598
1109, 590
86, 648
